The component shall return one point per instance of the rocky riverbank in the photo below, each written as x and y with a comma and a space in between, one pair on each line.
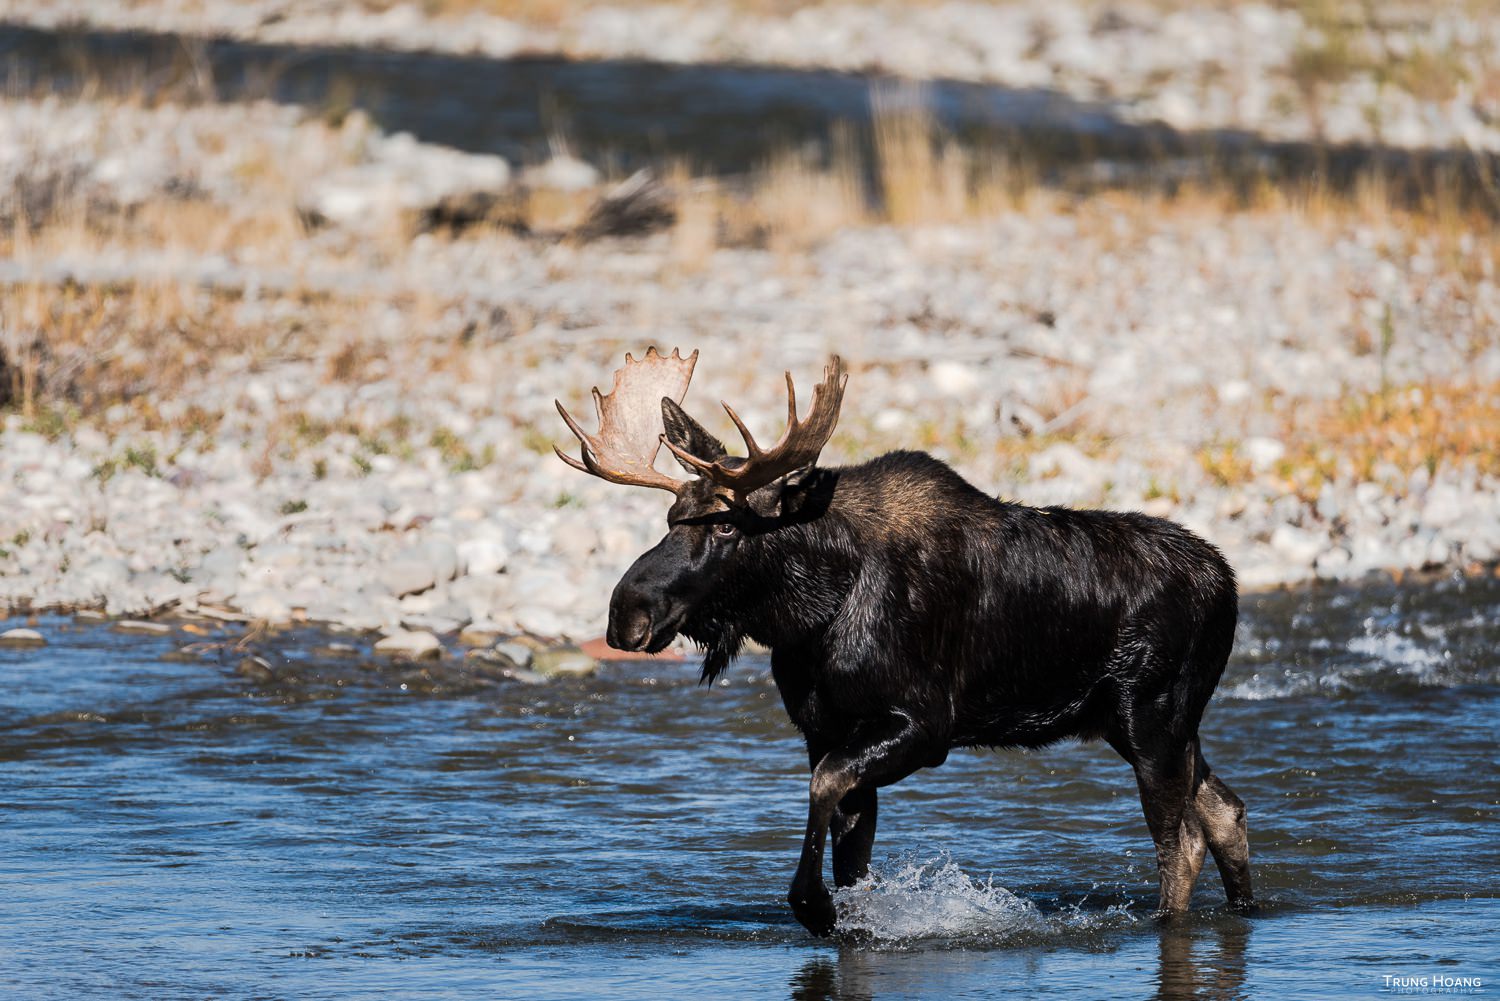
219, 403
1417, 74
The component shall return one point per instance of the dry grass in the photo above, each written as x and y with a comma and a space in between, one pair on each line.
190, 226
921, 176
1381, 436
69, 348
1428, 426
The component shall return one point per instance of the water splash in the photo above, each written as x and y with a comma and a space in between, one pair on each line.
1380, 659
1400, 652
910, 899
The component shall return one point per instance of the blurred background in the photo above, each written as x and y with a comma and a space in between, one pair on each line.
289, 288
304, 686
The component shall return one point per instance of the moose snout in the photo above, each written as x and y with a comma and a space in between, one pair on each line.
635, 615
629, 626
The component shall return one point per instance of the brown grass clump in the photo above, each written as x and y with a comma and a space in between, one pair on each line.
67, 347
1369, 436
1426, 426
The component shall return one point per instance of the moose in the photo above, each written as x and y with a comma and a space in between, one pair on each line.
909, 613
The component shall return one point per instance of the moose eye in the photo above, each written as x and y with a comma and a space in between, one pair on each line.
724, 529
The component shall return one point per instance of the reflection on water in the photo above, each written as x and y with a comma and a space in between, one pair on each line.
170, 827
1206, 962
1203, 963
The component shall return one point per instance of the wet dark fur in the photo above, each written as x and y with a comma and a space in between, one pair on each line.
995, 623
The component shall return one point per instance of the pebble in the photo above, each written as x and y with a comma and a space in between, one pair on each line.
256, 669
415, 645
520, 654
489, 656
480, 557
481, 634
564, 662
142, 628
20, 638
408, 573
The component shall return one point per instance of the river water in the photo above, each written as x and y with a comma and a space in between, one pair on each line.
169, 828
717, 119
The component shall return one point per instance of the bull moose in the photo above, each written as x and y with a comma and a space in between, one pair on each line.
909, 613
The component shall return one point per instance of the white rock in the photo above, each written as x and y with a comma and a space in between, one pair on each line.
1297, 546
142, 628
1333, 564
952, 378
1442, 506
483, 556
1234, 391
101, 577
266, 607
481, 633
519, 653
410, 573
419, 645
541, 621
1263, 453
21, 637
562, 173
563, 662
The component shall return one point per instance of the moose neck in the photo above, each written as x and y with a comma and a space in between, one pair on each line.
785, 587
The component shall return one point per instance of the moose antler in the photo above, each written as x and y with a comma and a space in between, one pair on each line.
630, 422
799, 445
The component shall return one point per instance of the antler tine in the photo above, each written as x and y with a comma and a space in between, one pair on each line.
798, 446
791, 397
630, 423
750, 446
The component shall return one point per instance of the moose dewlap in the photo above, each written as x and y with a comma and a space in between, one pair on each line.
908, 613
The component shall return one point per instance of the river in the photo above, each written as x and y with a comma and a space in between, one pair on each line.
172, 829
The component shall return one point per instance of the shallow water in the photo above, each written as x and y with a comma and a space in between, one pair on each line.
171, 829
624, 114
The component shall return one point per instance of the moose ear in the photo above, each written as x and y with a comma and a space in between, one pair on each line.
800, 494
688, 435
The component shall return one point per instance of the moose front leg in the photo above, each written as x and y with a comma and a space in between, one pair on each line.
875, 755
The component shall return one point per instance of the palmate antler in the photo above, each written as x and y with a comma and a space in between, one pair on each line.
631, 429
630, 422
799, 446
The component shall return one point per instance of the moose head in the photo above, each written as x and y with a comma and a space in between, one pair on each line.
727, 500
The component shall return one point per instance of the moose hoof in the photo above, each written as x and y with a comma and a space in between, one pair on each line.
814, 910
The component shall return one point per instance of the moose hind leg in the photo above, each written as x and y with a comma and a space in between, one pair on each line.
853, 836
1221, 814
1166, 798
